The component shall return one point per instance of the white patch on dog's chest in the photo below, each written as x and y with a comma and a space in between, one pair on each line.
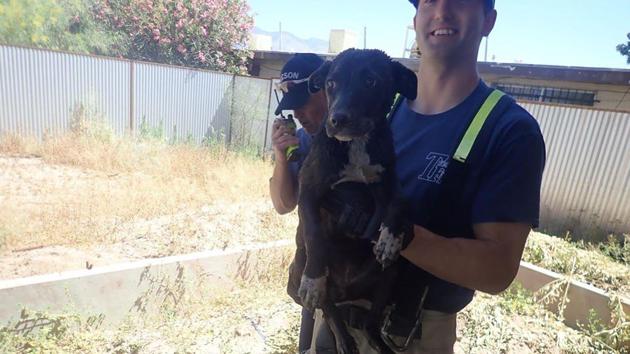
358, 168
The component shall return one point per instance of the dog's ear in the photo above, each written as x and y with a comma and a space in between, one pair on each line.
318, 78
405, 80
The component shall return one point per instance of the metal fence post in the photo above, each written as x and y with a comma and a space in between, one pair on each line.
231, 115
132, 88
267, 119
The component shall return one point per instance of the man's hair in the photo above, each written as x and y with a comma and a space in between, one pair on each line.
487, 4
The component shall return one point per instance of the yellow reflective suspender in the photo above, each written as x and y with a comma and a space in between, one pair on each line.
467, 142
461, 154
397, 99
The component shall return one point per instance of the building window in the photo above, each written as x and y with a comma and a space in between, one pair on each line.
548, 94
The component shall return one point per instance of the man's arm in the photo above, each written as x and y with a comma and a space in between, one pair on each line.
503, 213
282, 189
487, 263
282, 185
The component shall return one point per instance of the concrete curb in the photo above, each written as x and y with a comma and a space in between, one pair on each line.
107, 295
582, 297
114, 292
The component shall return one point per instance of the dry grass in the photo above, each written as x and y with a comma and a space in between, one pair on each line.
258, 317
514, 322
255, 316
589, 266
80, 188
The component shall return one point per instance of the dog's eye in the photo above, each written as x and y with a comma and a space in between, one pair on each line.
370, 82
330, 84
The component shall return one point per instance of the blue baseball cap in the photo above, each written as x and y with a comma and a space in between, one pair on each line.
488, 4
294, 80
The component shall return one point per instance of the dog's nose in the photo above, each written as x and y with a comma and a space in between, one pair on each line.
338, 119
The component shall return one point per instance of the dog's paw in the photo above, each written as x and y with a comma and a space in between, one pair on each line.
388, 246
312, 292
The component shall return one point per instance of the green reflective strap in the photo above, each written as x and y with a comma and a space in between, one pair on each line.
461, 154
392, 109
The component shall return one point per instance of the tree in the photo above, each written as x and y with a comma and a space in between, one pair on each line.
624, 49
210, 34
55, 24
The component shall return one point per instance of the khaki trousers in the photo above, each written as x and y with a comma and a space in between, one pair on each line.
438, 336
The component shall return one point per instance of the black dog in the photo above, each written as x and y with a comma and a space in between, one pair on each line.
331, 264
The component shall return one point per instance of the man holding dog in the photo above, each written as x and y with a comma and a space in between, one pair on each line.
474, 197
471, 215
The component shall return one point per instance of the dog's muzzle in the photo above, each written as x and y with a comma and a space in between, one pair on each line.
343, 127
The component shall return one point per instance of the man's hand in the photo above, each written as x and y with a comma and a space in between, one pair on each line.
281, 139
282, 187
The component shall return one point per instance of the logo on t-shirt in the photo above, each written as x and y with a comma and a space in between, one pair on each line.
435, 168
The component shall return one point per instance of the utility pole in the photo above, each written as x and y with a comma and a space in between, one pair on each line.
280, 40
364, 37
485, 56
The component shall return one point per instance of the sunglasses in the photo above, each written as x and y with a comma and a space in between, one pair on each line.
285, 86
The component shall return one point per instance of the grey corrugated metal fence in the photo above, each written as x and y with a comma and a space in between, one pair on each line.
41, 91
586, 185
186, 104
250, 108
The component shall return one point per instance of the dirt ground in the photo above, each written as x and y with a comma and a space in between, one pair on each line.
28, 185
201, 230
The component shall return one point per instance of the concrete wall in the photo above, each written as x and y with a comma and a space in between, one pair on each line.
108, 295
581, 297
270, 69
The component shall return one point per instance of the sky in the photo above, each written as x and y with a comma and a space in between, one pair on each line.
551, 32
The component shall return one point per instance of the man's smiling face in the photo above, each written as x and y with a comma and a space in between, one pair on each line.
447, 29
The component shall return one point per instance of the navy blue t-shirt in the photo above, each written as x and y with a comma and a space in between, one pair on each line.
500, 181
